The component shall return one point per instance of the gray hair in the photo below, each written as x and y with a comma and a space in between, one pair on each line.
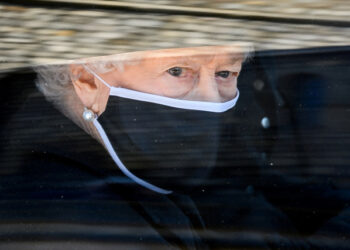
53, 81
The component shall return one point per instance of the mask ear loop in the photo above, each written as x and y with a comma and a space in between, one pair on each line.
114, 155
97, 76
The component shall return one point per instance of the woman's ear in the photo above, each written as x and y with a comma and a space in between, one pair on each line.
92, 92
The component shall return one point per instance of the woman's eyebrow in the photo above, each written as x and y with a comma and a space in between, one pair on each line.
178, 61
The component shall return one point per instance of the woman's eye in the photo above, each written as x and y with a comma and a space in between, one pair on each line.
223, 74
175, 71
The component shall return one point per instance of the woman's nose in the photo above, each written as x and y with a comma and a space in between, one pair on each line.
207, 88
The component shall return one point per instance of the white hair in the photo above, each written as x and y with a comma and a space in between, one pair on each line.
53, 81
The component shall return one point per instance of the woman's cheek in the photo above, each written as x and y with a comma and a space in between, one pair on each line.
228, 88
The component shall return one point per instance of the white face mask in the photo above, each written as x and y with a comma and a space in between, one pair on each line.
123, 93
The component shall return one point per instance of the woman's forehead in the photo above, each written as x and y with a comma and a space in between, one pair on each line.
202, 53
